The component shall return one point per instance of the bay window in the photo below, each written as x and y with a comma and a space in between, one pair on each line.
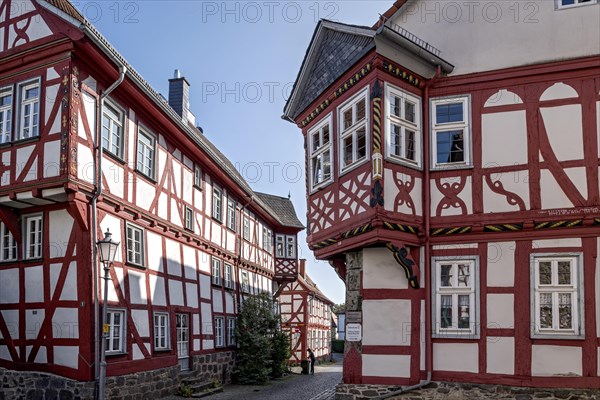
353, 125
320, 153
403, 126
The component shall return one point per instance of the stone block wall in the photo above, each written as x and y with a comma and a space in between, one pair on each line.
215, 366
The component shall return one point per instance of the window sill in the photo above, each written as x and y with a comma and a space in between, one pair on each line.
116, 353
146, 177
197, 187
557, 336
352, 167
403, 162
138, 266
161, 351
32, 260
5, 145
113, 156
17, 142
451, 166
217, 220
321, 186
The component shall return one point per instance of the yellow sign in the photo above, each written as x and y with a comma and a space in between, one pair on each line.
105, 328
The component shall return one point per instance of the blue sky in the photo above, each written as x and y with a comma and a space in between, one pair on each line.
241, 59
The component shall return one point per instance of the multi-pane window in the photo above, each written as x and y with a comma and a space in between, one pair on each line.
267, 239
230, 331
321, 153
33, 236
6, 102
8, 244
556, 294
29, 109
198, 177
279, 246
228, 276
246, 231
455, 297
245, 282
189, 219
161, 331
353, 123
290, 248
285, 246
404, 126
219, 334
145, 153
231, 214
217, 204
573, 3
135, 245
451, 139
112, 129
115, 342
216, 271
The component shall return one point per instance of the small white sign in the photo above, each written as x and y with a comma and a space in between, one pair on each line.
353, 332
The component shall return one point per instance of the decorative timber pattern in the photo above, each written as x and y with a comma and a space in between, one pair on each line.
399, 72
401, 257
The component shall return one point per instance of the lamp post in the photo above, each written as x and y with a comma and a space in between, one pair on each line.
107, 248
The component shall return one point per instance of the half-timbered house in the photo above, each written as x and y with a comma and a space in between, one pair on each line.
306, 315
86, 147
452, 157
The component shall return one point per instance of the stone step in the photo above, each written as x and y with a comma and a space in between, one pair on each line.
201, 386
208, 392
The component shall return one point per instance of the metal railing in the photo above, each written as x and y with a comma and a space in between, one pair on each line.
407, 35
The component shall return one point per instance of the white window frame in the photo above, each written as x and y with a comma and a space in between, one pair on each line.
245, 282
161, 331
280, 246
231, 208
465, 126
6, 112
198, 177
246, 229
267, 240
228, 276
217, 203
8, 244
231, 331
33, 240
473, 332
119, 123
189, 218
352, 130
131, 241
404, 124
146, 153
576, 289
122, 329
576, 3
216, 271
34, 117
219, 332
290, 252
319, 154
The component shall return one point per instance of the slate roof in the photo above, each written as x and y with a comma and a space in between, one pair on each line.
338, 46
70, 12
283, 207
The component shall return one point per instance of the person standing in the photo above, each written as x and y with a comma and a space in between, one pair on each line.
311, 355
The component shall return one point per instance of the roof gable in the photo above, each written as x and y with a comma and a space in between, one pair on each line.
334, 48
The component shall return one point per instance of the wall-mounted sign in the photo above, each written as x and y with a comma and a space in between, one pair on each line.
354, 317
353, 332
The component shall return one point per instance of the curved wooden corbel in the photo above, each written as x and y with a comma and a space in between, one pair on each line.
402, 257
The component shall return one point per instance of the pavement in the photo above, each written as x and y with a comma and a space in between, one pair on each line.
294, 386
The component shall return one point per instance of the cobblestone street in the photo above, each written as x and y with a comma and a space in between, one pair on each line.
320, 386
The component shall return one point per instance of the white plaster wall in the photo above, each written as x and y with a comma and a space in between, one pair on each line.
216, 234
131, 136
89, 104
456, 357
206, 315
175, 216
229, 304
51, 159
33, 323
173, 257
155, 252
191, 290
189, 262
463, 32
504, 138
115, 177
85, 164
381, 271
387, 322
393, 366
555, 360
557, 121
551, 193
10, 286
188, 181
137, 287
500, 311
501, 264
196, 324
500, 355
67, 356
175, 293
69, 291
157, 290
204, 262
137, 352
217, 301
464, 195
140, 320
11, 318
61, 224
205, 286
163, 206
552, 243
40, 358
34, 284
514, 182
65, 323
144, 194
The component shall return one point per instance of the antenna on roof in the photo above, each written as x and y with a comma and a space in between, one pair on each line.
289, 195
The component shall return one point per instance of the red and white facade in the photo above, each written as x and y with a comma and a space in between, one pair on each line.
306, 316
460, 203
194, 237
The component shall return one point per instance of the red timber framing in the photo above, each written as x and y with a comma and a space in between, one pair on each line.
468, 212
47, 304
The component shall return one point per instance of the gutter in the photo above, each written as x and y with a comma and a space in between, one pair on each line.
97, 193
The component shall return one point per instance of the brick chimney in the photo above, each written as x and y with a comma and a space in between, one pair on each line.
179, 97
302, 267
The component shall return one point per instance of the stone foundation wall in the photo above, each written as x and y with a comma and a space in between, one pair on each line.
25, 385
460, 391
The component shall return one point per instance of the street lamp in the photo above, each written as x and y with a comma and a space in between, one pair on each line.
107, 248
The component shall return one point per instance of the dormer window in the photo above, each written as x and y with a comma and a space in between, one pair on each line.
285, 246
353, 122
320, 153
